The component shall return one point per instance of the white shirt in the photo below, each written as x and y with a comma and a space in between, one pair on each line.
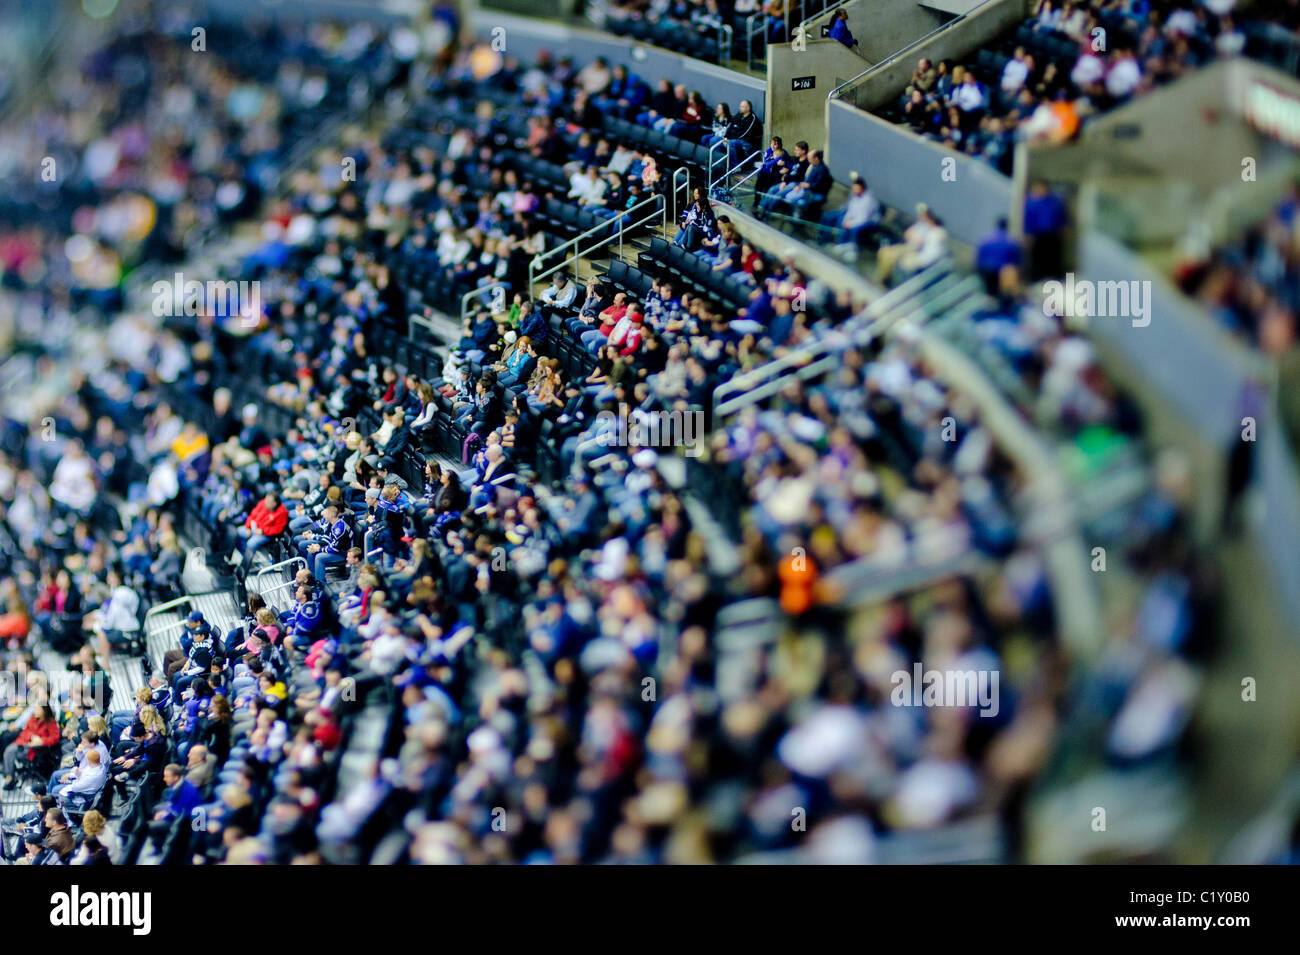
1014, 75
72, 484
1181, 21
581, 185
90, 779
861, 210
123, 607
1087, 70
968, 97
1123, 77
562, 297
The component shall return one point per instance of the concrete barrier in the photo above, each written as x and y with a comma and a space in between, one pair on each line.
902, 169
525, 38
1189, 373
889, 78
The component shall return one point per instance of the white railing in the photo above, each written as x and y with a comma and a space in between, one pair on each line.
726, 39
489, 289
421, 321
680, 184
150, 633
754, 23
604, 233
721, 181
255, 582
904, 52
810, 359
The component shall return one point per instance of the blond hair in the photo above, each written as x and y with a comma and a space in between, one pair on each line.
152, 721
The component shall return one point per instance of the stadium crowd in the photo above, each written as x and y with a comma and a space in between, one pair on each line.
1068, 62
488, 558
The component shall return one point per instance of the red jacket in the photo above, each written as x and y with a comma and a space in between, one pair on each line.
632, 341
267, 522
47, 731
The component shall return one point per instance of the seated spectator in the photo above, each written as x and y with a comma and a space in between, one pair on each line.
924, 243
860, 216
839, 30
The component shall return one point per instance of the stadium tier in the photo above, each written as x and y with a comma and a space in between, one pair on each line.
433, 434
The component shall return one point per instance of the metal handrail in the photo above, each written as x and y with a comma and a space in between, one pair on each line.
713, 162
761, 19
475, 293
726, 39
713, 184
681, 172
422, 322
816, 356
895, 57
623, 228
678, 182
826, 363
185, 600
257, 578
614, 228
817, 16
876, 309
948, 292
540, 257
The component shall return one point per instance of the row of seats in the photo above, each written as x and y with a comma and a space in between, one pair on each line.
662, 145
693, 271
678, 37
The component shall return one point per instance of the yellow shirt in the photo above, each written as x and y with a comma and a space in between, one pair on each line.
184, 450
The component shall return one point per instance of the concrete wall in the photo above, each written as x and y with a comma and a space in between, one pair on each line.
525, 37
812, 262
883, 27
903, 169
978, 27
1164, 131
800, 114
1168, 166
1188, 373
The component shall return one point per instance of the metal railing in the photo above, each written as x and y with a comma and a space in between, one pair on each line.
604, 233
754, 24
679, 184
720, 186
150, 633
726, 39
478, 292
808, 18
905, 51
944, 291
807, 360
255, 582
422, 322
